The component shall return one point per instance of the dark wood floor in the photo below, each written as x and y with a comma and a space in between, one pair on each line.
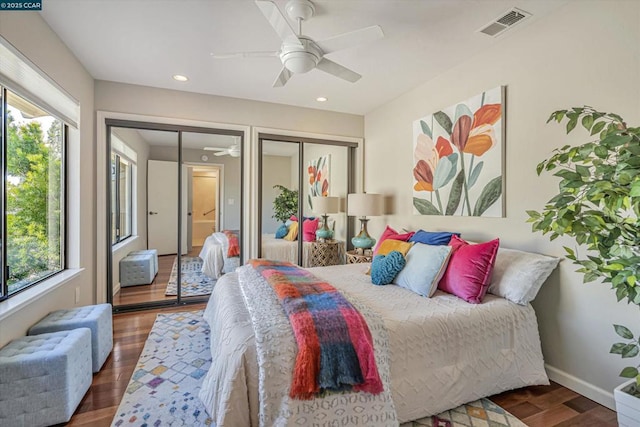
541, 406
154, 291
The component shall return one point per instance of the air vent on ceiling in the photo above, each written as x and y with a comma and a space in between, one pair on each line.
505, 21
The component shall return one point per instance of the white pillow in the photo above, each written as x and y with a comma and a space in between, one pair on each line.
424, 268
519, 275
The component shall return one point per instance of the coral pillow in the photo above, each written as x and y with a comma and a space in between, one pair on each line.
385, 268
309, 227
470, 268
293, 232
390, 233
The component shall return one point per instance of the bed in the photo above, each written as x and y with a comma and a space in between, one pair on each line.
215, 256
442, 350
284, 250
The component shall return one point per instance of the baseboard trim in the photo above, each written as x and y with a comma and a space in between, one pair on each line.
590, 391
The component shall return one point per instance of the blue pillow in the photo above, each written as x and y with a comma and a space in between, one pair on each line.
385, 268
432, 237
425, 266
282, 231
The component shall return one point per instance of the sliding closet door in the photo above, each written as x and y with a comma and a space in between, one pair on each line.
279, 220
144, 215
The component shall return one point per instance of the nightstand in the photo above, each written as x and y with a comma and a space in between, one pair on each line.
355, 258
326, 253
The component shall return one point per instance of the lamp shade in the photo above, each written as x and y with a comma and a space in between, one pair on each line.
365, 204
326, 205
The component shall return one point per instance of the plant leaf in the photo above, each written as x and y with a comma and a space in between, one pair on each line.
571, 124
425, 129
475, 174
489, 195
455, 194
629, 372
623, 331
444, 121
630, 350
617, 348
597, 127
425, 207
587, 121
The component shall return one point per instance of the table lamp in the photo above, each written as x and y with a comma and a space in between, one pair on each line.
363, 205
325, 206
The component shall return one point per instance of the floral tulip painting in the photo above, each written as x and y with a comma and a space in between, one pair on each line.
318, 170
457, 158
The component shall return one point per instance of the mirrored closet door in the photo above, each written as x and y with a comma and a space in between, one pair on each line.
304, 185
172, 190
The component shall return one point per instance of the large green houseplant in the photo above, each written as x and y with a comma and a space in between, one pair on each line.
285, 203
598, 204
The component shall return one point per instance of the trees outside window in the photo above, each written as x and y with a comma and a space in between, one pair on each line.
34, 202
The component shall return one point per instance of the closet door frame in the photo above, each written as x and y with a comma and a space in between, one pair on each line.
301, 141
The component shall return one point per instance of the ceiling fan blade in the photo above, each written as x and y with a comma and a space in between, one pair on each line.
214, 149
338, 70
221, 153
256, 54
278, 21
351, 39
282, 78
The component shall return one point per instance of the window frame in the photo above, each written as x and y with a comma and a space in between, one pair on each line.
64, 173
119, 158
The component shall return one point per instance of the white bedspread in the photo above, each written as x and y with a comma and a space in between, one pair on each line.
444, 351
284, 250
214, 256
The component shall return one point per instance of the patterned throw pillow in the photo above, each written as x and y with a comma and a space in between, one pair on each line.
385, 268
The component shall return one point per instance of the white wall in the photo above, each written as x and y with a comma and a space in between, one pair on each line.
586, 53
33, 37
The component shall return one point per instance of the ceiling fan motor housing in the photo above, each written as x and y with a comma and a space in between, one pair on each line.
300, 59
300, 9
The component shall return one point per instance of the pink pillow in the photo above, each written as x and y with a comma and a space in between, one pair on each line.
309, 227
468, 274
390, 233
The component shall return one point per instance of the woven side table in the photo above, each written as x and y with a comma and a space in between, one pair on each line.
355, 258
326, 253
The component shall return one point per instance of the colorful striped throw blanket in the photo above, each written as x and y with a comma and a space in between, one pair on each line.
335, 347
234, 246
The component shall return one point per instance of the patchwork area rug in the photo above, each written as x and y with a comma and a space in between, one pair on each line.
164, 387
194, 281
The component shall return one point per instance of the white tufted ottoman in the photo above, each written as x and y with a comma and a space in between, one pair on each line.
95, 317
137, 270
44, 377
153, 253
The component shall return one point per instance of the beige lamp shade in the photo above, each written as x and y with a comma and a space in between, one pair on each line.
365, 204
326, 205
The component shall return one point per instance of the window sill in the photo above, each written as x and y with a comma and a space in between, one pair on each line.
126, 242
16, 303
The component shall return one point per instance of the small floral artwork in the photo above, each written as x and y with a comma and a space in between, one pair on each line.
318, 170
457, 158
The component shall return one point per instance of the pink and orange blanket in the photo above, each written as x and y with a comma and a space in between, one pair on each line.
234, 245
335, 347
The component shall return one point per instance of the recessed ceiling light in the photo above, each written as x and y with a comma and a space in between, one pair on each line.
180, 78
321, 99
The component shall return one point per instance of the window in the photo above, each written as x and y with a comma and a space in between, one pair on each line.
33, 212
121, 195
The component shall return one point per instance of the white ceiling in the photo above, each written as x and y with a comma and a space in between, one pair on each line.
145, 42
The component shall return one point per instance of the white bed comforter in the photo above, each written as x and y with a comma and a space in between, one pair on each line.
214, 256
444, 351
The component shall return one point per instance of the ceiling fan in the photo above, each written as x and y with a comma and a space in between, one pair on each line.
300, 53
233, 151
